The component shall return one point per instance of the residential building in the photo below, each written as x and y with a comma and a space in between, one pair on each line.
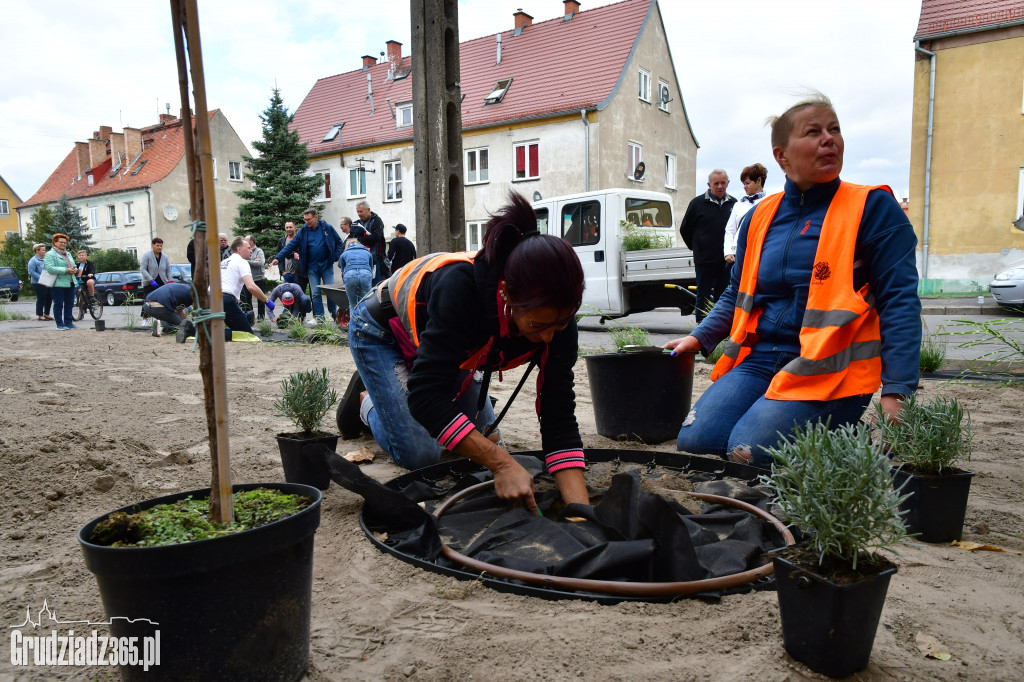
9, 201
967, 158
132, 186
555, 107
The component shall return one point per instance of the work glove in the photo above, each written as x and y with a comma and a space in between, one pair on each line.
153, 283
270, 305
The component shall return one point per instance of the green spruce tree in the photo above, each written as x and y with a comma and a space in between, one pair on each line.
68, 219
41, 228
281, 189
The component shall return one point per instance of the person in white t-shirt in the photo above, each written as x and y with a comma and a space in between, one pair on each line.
236, 273
753, 178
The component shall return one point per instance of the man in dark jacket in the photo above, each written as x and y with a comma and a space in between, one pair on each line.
400, 250
318, 247
373, 239
703, 231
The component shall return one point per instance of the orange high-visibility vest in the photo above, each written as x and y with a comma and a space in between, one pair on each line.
840, 343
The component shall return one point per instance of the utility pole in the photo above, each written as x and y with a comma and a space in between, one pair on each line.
437, 126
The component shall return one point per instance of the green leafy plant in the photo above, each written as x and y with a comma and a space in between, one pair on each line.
305, 399
131, 318
297, 329
933, 355
265, 327
328, 332
835, 485
635, 238
1002, 334
928, 437
629, 335
717, 353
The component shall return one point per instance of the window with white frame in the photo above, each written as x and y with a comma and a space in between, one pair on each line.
356, 183
636, 155
325, 185
392, 181
132, 250
527, 158
670, 171
111, 216
475, 234
644, 85
235, 171
662, 95
477, 166
129, 213
5, 208
94, 217
403, 115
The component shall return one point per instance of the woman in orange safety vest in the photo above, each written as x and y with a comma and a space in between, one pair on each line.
822, 310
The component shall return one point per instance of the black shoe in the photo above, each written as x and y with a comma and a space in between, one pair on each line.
185, 330
349, 423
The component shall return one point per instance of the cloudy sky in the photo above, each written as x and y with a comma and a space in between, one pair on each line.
73, 66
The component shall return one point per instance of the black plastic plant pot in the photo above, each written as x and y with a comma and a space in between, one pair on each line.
640, 393
937, 505
827, 626
307, 467
235, 607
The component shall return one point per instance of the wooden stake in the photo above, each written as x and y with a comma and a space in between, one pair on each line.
185, 20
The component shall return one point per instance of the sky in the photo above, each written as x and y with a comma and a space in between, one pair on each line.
73, 66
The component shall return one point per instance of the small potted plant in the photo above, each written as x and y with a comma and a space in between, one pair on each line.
834, 485
928, 440
305, 398
640, 392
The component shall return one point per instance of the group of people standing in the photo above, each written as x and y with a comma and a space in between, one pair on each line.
55, 276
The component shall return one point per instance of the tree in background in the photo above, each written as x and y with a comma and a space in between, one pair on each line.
111, 260
67, 219
41, 228
281, 189
16, 253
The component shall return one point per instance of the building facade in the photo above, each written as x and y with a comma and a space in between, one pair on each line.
967, 158
538, 116
9, 201
132, 186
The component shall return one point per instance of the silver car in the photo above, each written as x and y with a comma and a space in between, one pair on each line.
1008, 286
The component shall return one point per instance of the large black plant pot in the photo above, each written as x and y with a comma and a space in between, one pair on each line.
937, 505
303, 460
829, 627
640, 393
230, 608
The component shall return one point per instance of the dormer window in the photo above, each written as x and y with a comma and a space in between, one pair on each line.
403, 115
90, 180
333, 133
498, 93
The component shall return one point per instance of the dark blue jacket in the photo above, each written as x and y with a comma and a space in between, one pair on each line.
171, 296
301, 244
885, 249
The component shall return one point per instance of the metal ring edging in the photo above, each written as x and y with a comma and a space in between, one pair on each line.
619, 587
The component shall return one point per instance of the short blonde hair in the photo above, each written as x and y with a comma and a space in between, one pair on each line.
782, 125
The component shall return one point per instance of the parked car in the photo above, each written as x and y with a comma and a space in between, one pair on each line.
181, 272
10, 285
113, 288
1008, 287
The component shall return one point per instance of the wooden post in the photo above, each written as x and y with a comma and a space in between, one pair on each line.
185, 20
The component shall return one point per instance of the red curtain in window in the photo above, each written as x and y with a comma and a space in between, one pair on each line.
520, 162
534, 168
327, 185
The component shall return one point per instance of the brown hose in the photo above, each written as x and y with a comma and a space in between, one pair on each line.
619, 587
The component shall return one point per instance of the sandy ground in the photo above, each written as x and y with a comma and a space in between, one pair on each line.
92, 421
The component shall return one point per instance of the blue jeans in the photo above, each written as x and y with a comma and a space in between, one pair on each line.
291, 278
357, 285
383, 371
234, 319
734, 412
320, 273
63, 303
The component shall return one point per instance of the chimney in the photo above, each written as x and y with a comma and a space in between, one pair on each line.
394, 51
368, 61
132, 143
522, 20
498, 58
97, 152
167, 118
105, 133
571, 8
82, 155
117, 151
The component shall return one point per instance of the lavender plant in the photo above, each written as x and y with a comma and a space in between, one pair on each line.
928, 437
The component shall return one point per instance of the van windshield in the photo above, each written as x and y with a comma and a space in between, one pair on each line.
649, 212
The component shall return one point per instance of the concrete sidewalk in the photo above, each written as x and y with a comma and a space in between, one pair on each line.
962, 306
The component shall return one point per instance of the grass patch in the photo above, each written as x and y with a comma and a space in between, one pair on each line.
8, 314
265, 327
933, 355
628, 335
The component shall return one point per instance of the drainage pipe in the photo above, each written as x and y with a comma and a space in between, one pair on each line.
925, 228
586, 150
619, 587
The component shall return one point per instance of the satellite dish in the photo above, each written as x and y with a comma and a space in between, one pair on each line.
664, 95
170, 213
638, 173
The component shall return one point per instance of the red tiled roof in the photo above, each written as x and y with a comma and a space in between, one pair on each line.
164, 145
940, 17
553, 69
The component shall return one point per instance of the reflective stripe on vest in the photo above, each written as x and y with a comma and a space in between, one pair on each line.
840, 344
403, 285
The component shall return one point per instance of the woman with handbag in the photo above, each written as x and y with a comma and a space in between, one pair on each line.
61, 268
36, 266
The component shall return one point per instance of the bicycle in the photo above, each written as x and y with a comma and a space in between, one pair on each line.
83, 303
